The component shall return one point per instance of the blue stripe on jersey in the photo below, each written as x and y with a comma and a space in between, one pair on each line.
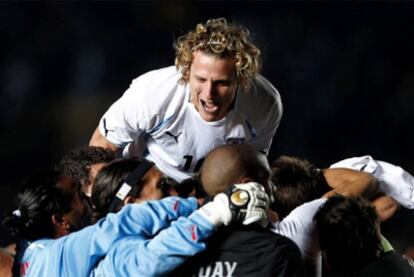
161, 124
252, 130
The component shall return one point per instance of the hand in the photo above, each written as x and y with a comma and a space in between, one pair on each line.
241, 203
256, 203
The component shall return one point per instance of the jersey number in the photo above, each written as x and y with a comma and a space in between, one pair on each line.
188, 160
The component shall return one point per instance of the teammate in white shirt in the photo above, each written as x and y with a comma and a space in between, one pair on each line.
393, 179
298, 181
300, 189
213, 96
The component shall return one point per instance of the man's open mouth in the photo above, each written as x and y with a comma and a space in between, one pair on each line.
209, 106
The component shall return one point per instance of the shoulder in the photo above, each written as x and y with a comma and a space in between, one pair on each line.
278, 254
154, 92
264, 90
37, 255
261, 96
300, 221
255, 236
389, 264
165, 73
282, 244
160, 80
306, 211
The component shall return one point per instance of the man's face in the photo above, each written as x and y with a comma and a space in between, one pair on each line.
213, 85
155, 186
80, 214
93, 170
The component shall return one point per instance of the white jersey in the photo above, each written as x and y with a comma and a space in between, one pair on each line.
300, 227
393, 180
157, 120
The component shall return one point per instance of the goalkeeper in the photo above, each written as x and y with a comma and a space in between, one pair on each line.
166, 242
251, 250
131, 242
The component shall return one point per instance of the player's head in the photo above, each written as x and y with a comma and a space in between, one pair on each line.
82, 164
215, 59
48, 206
348, 231
233, 164
296, 181
141, 177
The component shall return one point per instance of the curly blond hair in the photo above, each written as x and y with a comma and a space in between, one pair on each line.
220, 39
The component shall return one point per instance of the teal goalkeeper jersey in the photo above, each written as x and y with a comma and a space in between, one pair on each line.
140, 239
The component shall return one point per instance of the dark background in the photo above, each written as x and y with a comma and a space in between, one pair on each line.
345, 71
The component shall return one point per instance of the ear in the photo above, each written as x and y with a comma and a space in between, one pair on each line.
273, 216
186, 74
87, 189
61, 224
244, 180
130, 200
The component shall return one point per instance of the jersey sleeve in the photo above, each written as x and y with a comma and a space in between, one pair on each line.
299, 227
393, 180
262, 108
273, 115
79, 251
140, 256
150, 100
128, 117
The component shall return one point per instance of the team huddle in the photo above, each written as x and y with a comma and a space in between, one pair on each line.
176, 181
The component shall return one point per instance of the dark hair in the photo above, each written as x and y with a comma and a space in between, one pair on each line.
76, 164
38, 199
107, 182
348, 230
296, 181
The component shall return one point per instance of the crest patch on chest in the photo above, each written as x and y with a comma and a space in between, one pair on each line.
235, 140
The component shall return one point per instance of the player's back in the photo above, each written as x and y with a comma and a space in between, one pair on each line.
245, 251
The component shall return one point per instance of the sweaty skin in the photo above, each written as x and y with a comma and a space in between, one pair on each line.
213, 85
220, 162
237, 163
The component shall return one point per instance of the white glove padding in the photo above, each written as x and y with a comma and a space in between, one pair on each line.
217, 212
245, 203
257, 206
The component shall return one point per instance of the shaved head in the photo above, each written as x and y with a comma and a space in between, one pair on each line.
232, 164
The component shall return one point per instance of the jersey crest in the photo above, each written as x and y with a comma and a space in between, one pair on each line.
235, 140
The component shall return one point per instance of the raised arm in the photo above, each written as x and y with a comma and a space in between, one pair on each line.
140, 256
80, 251
350, 182
386, 206
150, 255
98, 139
